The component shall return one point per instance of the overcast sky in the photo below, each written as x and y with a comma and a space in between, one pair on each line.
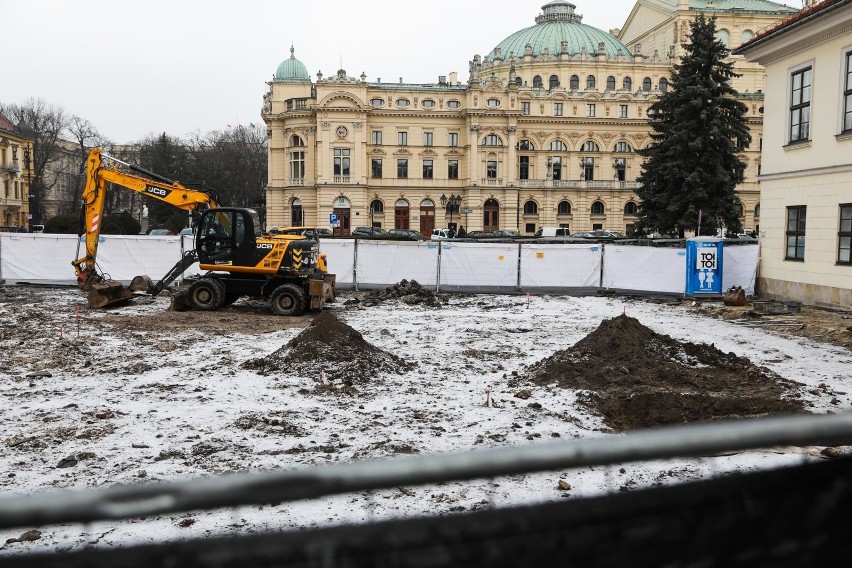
134, 67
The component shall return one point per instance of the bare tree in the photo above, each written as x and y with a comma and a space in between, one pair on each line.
47, 121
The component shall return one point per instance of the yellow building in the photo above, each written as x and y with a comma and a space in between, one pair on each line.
542, 133
16, 172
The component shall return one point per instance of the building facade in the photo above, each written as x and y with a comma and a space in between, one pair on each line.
16, 172
543, 132
806, 180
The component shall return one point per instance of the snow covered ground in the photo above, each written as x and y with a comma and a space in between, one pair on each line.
124, 405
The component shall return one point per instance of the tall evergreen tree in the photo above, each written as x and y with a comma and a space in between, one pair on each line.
693, 164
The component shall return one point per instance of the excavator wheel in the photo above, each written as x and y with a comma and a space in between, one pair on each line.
288, 300
207, 294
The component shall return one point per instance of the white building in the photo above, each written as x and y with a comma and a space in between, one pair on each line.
806, 175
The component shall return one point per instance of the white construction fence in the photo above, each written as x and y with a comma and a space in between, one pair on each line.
449, 266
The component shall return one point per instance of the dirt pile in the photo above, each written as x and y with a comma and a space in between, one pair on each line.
408, 292
330, 345
641, 379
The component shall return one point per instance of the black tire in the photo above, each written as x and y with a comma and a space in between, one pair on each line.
288, 300
207, 294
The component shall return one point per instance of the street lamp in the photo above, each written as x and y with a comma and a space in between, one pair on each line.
451, 205
28, 174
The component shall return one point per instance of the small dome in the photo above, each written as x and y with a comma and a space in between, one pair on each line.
558, 24
291, 71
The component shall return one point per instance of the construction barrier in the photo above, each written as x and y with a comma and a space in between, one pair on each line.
449, 266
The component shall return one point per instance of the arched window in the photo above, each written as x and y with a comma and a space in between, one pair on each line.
558, 146
519, 82
575, 82
492, 140
631, 208
627, 83
610, 83
664, 84
537, 82
724, 36
746, 36
296, 140
757, 211
525, 145
646, 84
598, 208
590, 82
554, 81
564, 208
377, 207
530, 208
740, 210
622, 147
589, 146
297, 213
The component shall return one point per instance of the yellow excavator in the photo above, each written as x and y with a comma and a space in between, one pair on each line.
229, 243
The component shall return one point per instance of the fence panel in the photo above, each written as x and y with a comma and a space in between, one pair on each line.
383, 263
479, 267
739, 267
559, 266
341, 260
644, 269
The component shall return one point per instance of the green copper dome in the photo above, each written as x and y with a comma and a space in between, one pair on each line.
292, 71
558, 23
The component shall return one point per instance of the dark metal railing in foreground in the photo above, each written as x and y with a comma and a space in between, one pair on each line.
121, 502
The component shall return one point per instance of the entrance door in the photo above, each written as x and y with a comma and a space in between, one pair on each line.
343, 219
491, 217
427, 217
400, 214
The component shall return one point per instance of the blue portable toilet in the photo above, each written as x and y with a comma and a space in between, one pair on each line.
704, 256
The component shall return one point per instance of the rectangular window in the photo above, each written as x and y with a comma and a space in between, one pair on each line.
402, 138
297, 165
844, 246
377, 137
454, 139
376, 168
427, 138
796, 233
525, 108
341, 161
402, 168
590, 109
427, 169
800, 104
622, 111
453, 169
524, 167
847, 95
556, 165
529, 228
491, 169
557, 109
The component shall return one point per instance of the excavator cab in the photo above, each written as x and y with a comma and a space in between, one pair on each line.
227, 237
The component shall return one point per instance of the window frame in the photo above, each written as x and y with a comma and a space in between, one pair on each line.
452, 169
342, 164
846, 114
428, 139
376, 168
428, 168
558, 109
525, 108
844, 232
376, 137
453, 139
402, 138
402, 168
793, 107
591, 110
623, 110
798, 233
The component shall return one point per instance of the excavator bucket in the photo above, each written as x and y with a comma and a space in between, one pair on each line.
735, 297
140, 284
108, 294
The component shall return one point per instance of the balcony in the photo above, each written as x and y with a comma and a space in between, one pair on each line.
341, 179
12, 167
297, 182
491, 182
577, 184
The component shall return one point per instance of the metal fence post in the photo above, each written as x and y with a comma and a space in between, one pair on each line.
355, 266
438, 281
520, 268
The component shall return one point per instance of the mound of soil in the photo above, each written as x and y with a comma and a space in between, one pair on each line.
408, 292
641, 379
330, 345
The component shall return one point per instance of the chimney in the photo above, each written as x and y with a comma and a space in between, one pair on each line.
442, 79
454, 78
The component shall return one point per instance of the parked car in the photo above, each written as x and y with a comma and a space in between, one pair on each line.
598, 235
160, 232
507, 233
406, 234
553, 232
188, 232
312, 232
480, 234
440, 234
369, 232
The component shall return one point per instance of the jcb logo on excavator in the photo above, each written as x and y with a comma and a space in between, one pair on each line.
267, 246
158, 191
